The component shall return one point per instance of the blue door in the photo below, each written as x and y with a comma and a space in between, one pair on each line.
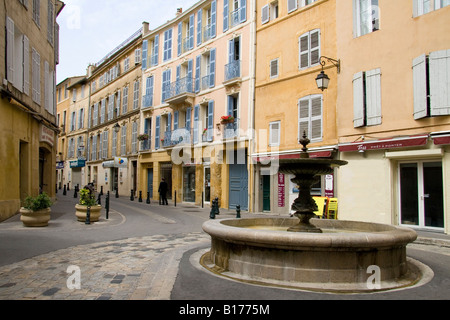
150, 182
238, 185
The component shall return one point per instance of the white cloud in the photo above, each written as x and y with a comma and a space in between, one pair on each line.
89, 30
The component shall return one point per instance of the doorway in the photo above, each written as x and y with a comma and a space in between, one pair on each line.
207, 184
421, 194
266, 193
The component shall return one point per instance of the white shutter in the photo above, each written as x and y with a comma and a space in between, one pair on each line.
316, 118
265, 16
304, 51
358, 100
292, 5
420, 87
26, 65
440, 83
373, 91
303, 121
314, 47
10, 49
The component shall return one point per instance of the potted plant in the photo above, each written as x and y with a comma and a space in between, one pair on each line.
226, 119
36, 211
143, 137
87, 200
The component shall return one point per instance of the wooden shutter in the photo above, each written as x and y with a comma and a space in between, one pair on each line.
10, 49
157, 132
191, 30
197, 73
265, 15
175, 120
144, 56
358, 100
420, 87
213, 18
190, 74
226, 14
212, 63
199, 27
180, 38
156, 51
304, 50
303, 118
196, 124
314, 37
242, 10
210, 133
373, 94
26, 65
440, 83
316, 118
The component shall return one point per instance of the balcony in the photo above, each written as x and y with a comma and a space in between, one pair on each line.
207, 33
176, 137
232, 73
145, 145
231, 130
180, 91
147, 101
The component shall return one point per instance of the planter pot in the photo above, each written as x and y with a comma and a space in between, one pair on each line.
31, 218
81, 212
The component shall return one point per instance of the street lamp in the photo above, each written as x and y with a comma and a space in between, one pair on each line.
116, 128
322, 79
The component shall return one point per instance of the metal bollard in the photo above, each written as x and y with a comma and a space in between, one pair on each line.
64, 191
88, 216
75, 195
107, 206
117, 192
148, 197
101, 190
132, 195
99, 200
140, 196
238, 212
175, 198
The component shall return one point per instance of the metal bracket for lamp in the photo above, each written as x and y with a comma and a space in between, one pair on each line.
322, 79
336, 63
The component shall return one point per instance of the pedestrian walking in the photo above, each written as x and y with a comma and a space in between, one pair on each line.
163, 188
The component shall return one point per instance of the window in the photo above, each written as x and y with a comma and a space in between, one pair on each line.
205, 72
95, 115
36, 74
105, 144
309, 47
111, 106
231, 129
167, 45
294, 4
425, 6
367, 98
137, 56
431, 85
148, 98
310, 117
114, 144
366, 17
186, 35
274, 68
269, 12
123, 144
136, 95
134, 138
166, 75
81, 119
125, 100
37, 12
72, 122
206, 23
50, 22
234, 13
126, 64
274, 133
154, 51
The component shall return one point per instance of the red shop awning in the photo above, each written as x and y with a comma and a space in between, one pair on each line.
413, 141
317, 154
441, 140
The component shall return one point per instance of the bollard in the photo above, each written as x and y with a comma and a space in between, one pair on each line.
64, 191
117, 192
88, 216
203, 200
99, 200
56, 190
75, 193
140, 196
107, 206
68, 186
212, 214
132, 195
217, 206
101, 190
238, 212
148, 197
175, 198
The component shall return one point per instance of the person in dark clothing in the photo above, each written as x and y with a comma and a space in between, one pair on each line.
163, 188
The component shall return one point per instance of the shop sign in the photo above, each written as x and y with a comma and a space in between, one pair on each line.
281, 190
47, 135
60, 165
78, 164
385, 144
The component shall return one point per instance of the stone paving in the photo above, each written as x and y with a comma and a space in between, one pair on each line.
134, 269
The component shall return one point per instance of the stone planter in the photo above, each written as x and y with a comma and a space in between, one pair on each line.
81, 212
31, 218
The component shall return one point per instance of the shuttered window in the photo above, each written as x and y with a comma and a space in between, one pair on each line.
309, 48
274, 68
310, 117
367, 98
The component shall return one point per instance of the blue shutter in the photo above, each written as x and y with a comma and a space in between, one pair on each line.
191, 31
230, 105
157, 132
188, 125
196, 124
169, 122
231, 51
144, 54
156, 46
213, 18
190, 74
180, 37
175, 120
210, 121
199, 27
242, 11
212, 63
226, 14
178, 85
197, 73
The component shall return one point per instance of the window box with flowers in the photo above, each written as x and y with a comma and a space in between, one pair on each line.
143, 137
226, 119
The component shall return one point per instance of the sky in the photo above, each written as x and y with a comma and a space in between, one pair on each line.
89, 30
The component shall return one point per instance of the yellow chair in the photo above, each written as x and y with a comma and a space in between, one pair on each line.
321, 205
332, 212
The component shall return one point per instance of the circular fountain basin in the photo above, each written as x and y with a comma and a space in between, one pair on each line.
347, 257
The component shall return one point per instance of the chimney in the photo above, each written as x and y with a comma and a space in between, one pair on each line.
145, 28
179, 11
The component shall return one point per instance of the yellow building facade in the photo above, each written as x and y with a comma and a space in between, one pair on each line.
291, 37
199, 69
28, 123
393, 112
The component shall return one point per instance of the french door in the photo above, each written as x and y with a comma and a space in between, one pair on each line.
421, 194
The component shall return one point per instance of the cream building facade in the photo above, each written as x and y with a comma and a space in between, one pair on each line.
393, 112
29, 50
198, 68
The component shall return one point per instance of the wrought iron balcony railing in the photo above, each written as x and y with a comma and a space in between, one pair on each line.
233, 70
179, 87
176, 137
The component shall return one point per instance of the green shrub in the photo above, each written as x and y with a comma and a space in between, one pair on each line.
38, 203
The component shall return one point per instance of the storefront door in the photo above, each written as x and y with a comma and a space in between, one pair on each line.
189, 184
421, 194
207, 184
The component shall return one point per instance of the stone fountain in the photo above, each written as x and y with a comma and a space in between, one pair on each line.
311, 254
